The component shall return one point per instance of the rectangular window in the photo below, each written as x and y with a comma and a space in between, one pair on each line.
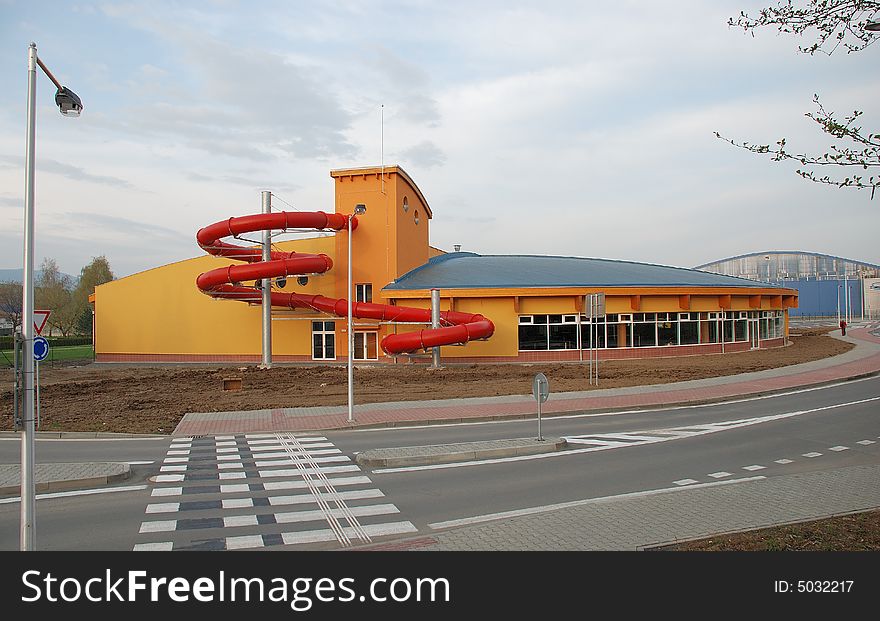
598, 336
563, 336
323, 340
667, 333
644, 334
742, 330
690, 332
533, 337
363, 292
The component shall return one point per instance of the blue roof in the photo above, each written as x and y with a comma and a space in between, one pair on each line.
466, 270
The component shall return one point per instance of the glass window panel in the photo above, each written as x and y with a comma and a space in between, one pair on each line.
598, 335
540, 319
533, 337
690, 332
644, 335
667, 333
742, 330
555, 318
563, 336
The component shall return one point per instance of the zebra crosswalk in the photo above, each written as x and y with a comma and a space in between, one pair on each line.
263, 490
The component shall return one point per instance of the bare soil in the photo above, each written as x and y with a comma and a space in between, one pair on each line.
140, 399
856, 532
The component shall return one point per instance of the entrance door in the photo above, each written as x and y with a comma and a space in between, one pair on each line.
365, 346
753, 333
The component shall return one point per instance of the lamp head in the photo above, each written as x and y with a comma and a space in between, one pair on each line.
68, 102
872, 26
360, 209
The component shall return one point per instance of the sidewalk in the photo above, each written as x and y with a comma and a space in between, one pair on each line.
639, 521
861, 361
63, 477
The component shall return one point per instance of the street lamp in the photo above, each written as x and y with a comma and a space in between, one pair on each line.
358, 210
70, 105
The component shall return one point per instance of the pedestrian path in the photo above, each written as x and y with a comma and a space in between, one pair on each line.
233, 492
863, 360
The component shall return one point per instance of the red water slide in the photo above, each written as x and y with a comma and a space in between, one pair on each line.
225, 282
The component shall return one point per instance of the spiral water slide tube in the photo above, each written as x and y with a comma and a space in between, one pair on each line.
225, 282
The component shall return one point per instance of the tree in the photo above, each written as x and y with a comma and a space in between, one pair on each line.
52, 291
95, 273
11, 303
834, 23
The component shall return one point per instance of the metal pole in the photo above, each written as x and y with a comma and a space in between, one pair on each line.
350, 334
28, 492
267, 287
590, 330
435, 323
540, 437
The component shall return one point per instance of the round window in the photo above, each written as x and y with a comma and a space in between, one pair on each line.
405, 204
416, 216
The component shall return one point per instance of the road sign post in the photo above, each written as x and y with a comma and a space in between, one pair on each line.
541, 392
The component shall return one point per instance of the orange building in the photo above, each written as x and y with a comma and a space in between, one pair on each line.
536, 303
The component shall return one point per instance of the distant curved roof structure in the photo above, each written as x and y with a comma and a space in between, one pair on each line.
467, 270
790, 265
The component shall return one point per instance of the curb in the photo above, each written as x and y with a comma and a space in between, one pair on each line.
450, 453
86, 435
64, 485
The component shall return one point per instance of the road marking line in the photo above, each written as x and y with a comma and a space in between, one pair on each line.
244, 541
169, 478
706, 429
588, 501
784, 461
279, 485
685, 481
373, 530
754, 467
240, 520
813, 454
865, 442
139, 463
163, 507
719, 475
225, 476
292, 473
234, 489
163, 546
235, 465
237, 503
310, 498
321, 514
172, 469
233, 443
281, 454
175, 460
229, 449
181, 439
229, 457
159, 526
80, 492
167, 491
295, 459
187, 452
278, 446
839, 448
224, 438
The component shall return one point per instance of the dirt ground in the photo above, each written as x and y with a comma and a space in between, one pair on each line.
857, 532
138, 399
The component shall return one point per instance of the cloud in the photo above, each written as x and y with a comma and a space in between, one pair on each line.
255, 104
423, 155
66, 170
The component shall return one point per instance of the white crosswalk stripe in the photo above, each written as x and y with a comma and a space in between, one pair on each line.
222, 493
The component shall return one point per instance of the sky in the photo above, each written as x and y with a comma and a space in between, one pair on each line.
569, 128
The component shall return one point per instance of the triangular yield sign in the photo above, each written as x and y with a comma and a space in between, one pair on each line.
40, 319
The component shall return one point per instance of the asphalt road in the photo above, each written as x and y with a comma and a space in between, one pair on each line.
811, 429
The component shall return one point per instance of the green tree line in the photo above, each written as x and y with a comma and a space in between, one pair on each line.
57, 292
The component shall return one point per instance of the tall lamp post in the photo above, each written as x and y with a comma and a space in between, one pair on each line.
358, 210
70, 105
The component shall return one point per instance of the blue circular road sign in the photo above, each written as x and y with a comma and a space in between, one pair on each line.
41, 348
